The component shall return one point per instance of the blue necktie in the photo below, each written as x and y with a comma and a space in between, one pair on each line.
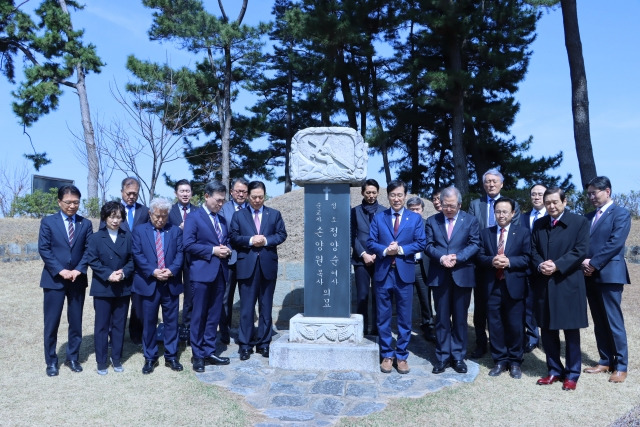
130, 217
492, 214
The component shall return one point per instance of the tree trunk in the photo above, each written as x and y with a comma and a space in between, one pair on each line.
289, 136
87, 127
460, 172
579, 93
225, 124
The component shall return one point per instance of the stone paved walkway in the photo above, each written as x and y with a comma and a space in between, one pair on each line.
321, 398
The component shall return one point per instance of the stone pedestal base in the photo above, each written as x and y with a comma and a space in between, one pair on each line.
325, 344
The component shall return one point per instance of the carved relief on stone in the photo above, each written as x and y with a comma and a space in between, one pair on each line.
328, 155
324, 333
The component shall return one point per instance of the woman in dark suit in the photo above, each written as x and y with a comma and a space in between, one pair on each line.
111, 260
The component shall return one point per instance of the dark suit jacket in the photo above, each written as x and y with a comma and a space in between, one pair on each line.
175, 214
57, 255
140, 217
524, 220
146, 259
104, 257
480, 207
410, 237
243, 228
517, 249
465, 243
606, 245
199, 239
560, 299
360, 226
227, 211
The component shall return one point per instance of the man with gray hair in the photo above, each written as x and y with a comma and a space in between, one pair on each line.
427, 322
205, 240
157, 254
482, 209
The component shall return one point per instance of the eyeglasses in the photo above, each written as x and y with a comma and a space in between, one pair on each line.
591, 194
71, 203
450, 206
502, 212
240, 191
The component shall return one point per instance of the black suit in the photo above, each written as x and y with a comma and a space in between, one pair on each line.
58, 255
560, 299
427, 320
110, 299
506, 295
176, 215
532, 335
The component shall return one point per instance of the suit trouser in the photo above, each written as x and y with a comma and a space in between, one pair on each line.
480, 312
111, 312
532, 336
135, 319
393, 286
363, 275
227, 301
427, 320
187, 302
207, 310
505, 316
53, 303
551, 344
452, 304
256, 289
608, 324
170, 306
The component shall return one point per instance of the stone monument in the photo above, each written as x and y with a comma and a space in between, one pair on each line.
326, 161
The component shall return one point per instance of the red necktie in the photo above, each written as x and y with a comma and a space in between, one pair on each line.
184, 213
396, 224
71, 230
159, 249
500, 271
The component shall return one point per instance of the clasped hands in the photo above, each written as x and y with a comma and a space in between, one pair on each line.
221, 251
500, 261
547, 267
449, 260
368, 259
69, 274
587, 268
258, 240
116, 276
162, 274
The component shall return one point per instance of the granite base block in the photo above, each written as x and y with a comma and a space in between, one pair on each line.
363, 357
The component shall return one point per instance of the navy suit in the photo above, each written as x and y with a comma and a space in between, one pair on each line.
227, 211
360, 226
153, 292
480, 209
110, 299
257, 269
604, 286
560, 299
208, 276
394, 275
452, 286
506, 296
58, 255
175, 217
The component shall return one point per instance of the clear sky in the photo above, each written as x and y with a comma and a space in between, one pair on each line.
609, 36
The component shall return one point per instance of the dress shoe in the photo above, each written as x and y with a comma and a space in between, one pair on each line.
569, 385
52, 370
197, 364
74, 365
117, 366
386, 365
549, 379
403, 367
498, 369
596, 369
102, 371
173, 364
459, 366
440, 367
149, 366
478, 352
530, 347
245, 354
515, 371
212, 359
618, 377
263, 351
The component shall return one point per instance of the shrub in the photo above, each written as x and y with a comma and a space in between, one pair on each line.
37, 204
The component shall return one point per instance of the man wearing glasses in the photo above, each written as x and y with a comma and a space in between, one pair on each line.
206, 234
62, 243
239, 191
256, 233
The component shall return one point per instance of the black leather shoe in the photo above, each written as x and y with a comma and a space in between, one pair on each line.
498, 369
515, 371
52, 370
74, 365
263, 351
440, 367
174, 365
244, 354
149, 366
198, 364
459, 366
530, 347
478, 353
212, 359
